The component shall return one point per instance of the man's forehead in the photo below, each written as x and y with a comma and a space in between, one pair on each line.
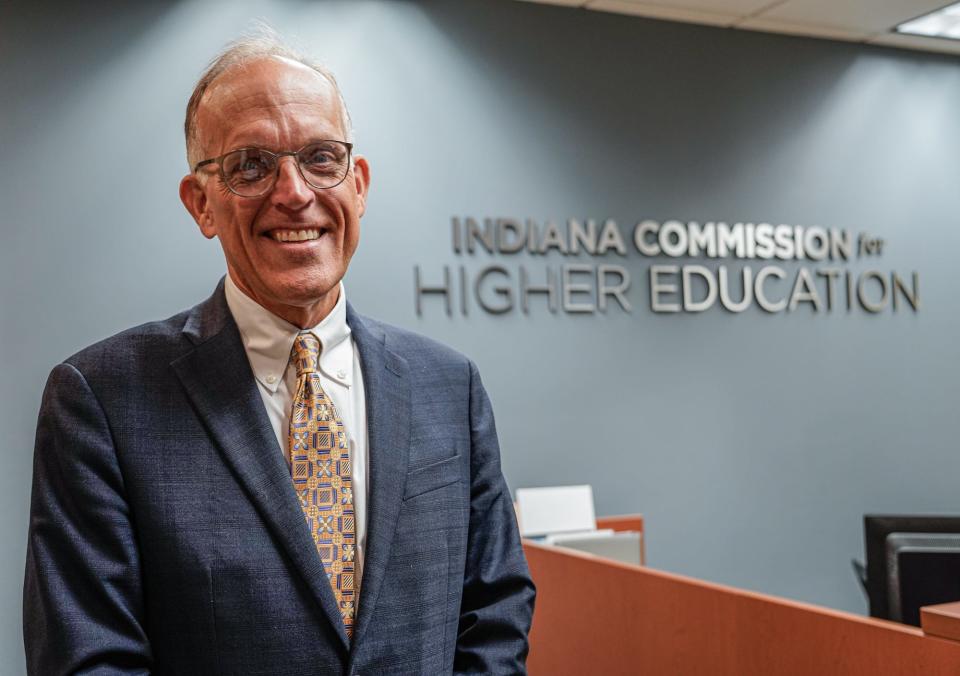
266, 81
263, 88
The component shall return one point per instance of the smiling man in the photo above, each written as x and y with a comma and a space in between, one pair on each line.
271, 483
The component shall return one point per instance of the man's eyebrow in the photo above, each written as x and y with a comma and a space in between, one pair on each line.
241, 144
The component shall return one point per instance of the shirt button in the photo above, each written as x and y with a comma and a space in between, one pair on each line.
341, 374
271, 379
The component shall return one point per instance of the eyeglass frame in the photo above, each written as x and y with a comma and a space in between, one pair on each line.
285, 153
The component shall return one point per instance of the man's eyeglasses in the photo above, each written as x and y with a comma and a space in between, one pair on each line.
251, 172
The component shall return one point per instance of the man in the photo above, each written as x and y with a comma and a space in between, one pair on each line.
271, 483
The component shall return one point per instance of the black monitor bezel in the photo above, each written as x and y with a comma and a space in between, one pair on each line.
876, 528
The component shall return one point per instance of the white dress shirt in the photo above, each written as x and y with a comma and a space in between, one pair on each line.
268, 340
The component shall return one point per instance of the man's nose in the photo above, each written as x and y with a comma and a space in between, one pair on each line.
290, 190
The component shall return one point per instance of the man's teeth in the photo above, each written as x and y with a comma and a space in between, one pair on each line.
295, 235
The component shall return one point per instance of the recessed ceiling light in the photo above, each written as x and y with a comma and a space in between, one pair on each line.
944, 23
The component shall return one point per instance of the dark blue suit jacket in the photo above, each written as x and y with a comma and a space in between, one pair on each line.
165, 536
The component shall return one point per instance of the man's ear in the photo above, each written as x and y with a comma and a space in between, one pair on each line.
194, 198
361, 181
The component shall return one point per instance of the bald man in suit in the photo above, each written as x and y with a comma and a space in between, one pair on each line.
174, 528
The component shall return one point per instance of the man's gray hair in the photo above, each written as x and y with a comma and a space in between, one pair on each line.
261, 42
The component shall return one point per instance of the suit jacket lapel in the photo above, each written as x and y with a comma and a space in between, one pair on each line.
387, 396
217, 377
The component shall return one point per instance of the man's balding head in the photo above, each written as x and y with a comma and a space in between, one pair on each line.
265, 44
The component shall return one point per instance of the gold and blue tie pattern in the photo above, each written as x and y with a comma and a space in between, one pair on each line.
320, 466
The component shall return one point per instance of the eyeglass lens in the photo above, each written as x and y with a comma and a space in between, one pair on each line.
252, 171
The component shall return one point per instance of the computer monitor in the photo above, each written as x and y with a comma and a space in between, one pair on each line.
906, 570
922, 569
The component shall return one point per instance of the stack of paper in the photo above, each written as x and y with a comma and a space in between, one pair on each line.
564, 516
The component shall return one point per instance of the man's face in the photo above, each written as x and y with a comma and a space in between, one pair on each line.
277, 105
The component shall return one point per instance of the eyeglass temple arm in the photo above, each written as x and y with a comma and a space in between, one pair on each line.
204, 163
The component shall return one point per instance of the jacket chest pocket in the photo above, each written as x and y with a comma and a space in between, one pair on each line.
432, 477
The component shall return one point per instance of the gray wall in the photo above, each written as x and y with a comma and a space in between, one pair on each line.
753, 443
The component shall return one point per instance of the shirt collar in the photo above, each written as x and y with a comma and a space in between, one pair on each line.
268, 339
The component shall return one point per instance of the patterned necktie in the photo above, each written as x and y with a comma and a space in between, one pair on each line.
320, 466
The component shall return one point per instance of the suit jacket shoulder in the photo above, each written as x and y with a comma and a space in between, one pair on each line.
405, 342
153, 343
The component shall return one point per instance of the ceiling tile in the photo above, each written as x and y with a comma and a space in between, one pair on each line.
829, 32
566, 3
849, 20
863, 16
917, 42
737, 7
662, 12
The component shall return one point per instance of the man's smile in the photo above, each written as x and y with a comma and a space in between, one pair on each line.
304, 235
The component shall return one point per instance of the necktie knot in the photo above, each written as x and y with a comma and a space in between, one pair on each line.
305, 353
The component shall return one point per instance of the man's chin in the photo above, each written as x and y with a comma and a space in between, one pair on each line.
297, 294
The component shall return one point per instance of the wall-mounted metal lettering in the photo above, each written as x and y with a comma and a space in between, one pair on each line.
586, 288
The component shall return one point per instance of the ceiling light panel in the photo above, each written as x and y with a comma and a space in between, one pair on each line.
944, 23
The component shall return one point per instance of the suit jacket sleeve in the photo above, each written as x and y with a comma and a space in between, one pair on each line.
83, 603
498, 593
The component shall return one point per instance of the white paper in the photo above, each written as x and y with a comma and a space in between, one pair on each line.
555, 509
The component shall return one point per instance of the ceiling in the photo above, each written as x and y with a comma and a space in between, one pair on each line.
866, 21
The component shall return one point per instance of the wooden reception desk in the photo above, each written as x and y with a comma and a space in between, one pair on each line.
595, 616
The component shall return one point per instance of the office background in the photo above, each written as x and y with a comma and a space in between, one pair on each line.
752, 443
